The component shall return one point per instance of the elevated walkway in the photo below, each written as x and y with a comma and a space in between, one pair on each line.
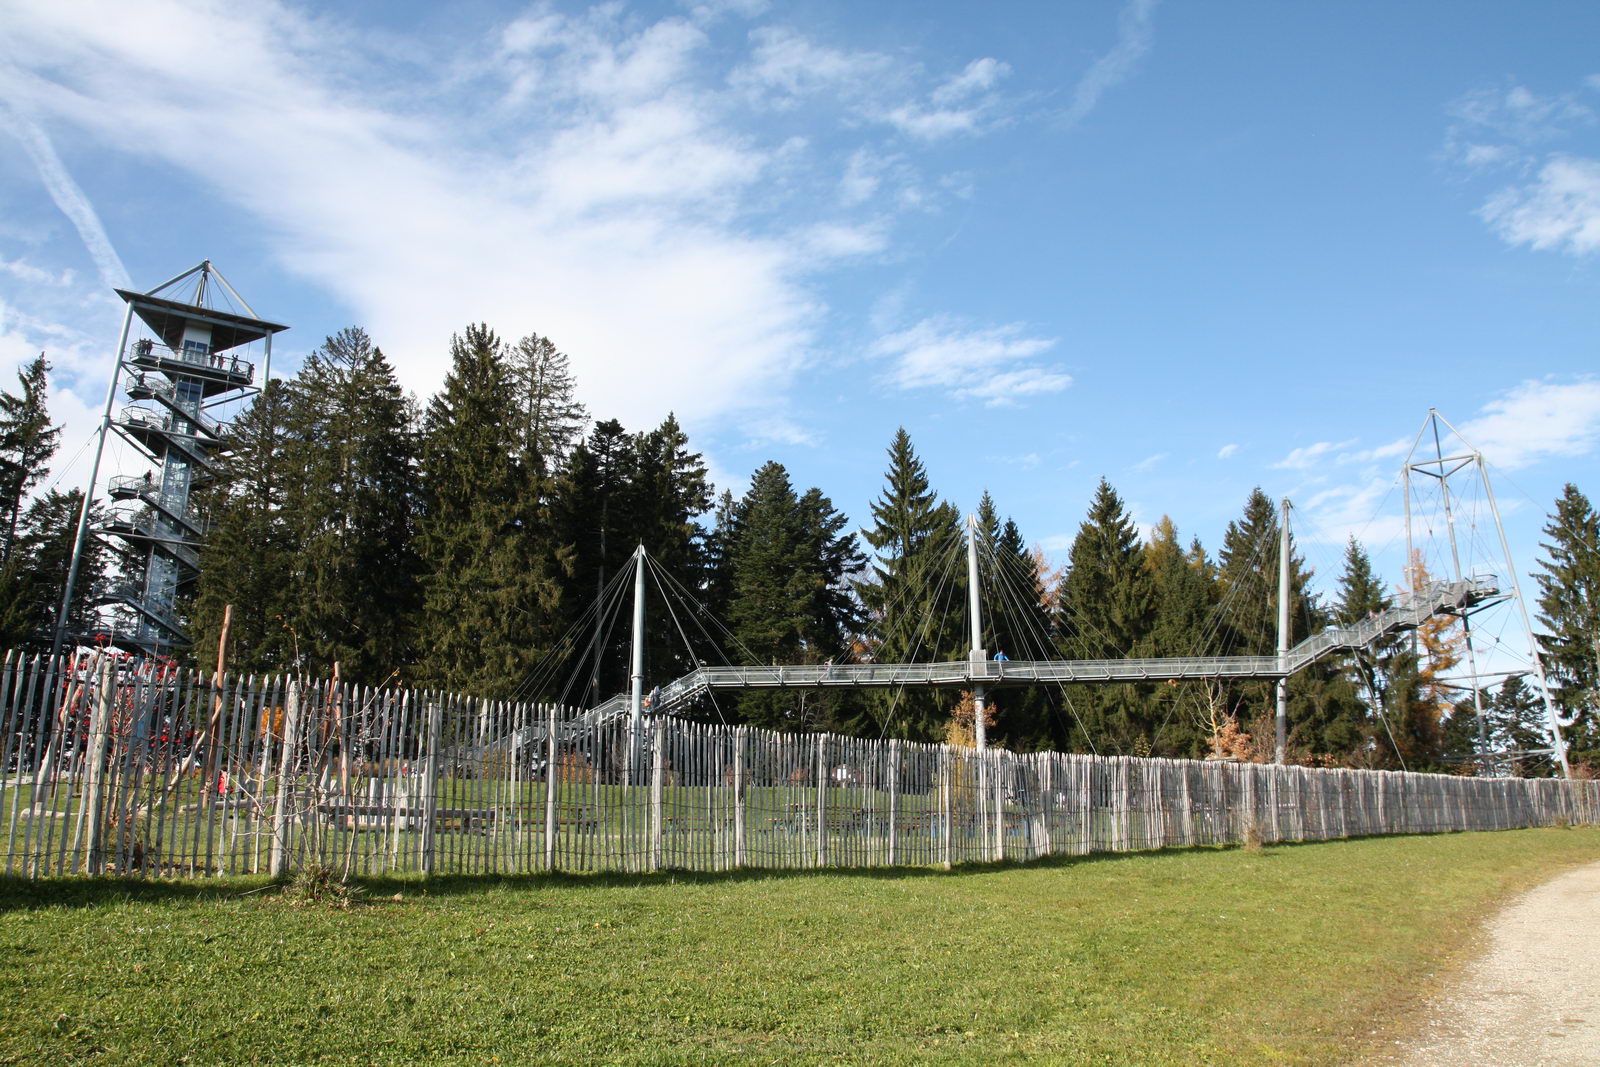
1410, 611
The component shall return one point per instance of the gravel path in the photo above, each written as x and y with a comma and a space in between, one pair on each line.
1533, 998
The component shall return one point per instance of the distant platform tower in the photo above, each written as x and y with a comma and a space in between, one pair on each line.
197, 354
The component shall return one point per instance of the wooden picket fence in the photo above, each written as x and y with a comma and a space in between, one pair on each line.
114, 767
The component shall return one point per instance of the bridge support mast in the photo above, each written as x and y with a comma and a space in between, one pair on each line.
980, 729
1281, 741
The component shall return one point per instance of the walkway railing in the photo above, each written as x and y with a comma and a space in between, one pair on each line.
1412, 609
112, 767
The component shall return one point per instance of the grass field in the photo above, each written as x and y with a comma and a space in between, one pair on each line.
1293, 954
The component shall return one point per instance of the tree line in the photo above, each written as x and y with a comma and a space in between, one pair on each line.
477, 543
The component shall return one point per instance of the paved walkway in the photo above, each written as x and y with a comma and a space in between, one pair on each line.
1533, 998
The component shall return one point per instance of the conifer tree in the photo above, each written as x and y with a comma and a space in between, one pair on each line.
1248, 583
32, 579
489, 598
1569, 614
1106, 607
594, 527
1016, 623
1184, 588
27, 441
907, 591
546, 392
350, 449
247, 559
770, 611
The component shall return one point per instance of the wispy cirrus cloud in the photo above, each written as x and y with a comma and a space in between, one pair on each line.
1135, 30
613, 174
1537, 420
1553, 200
1308, 456
994, 364
1559, 210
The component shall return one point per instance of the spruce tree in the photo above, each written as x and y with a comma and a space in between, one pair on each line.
1184, 588
32, 579
550, 415
27, 441
1106, 606
593, 525
489, 597
1248, 583
770, 611
1017, 623
247, 558
909, 592
350, 503
1569, 615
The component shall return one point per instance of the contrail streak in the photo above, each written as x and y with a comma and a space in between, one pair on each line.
1132, 43
68, 197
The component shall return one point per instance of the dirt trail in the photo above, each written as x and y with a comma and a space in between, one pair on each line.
1533, 998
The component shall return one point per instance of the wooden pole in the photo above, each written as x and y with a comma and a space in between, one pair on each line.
657, 793
551, 785
741, 855
430, 785
94, 768
278, 862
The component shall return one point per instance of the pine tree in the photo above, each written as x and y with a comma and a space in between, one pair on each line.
32, 579
1569, 613
908, 591
27, 441
546, 393
1184, 587
593, 524
1248, 582
247, 559
1106, 607
1016, 622
489, 597
350, 502
1362, 684
770, 611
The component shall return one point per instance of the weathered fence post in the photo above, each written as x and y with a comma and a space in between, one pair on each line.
430, 785
947, 815
999, 759
95, 768
552, 773
278, 861
822, 801
657, 793
894, 801
741, 855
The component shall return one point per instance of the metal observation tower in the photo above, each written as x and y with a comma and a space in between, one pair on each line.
192, 351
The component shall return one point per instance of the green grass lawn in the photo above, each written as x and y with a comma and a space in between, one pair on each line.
1294, 954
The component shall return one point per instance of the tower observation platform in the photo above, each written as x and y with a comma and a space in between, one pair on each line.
189, 348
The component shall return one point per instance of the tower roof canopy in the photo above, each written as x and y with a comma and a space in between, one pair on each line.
167, 318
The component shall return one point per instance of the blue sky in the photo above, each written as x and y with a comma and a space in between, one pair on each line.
1190, 247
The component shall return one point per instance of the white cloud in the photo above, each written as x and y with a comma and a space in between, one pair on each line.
611, 197
1149, 462
1133, 41
988, 364
1559, 210
34, 275
1310, 455
1226, 451
1537, 420
1514, 114
980, 76
65, 192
